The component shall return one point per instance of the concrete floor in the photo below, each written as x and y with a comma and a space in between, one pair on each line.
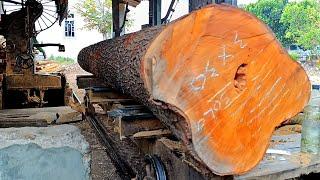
56, 152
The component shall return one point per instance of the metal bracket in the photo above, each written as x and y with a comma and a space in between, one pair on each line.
125, 16
166, 18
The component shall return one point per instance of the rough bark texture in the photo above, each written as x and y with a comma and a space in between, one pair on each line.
217, 78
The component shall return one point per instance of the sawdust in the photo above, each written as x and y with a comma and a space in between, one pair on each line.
303, 159
101, 165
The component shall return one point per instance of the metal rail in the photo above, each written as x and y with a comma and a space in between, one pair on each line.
123, 168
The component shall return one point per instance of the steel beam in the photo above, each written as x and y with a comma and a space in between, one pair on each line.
231, 2
115, 18
154, 12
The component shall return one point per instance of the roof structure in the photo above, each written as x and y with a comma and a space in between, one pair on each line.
133, 3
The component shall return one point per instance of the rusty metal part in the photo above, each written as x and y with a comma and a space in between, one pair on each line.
89, 81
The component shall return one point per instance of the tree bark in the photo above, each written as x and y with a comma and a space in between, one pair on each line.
218, 78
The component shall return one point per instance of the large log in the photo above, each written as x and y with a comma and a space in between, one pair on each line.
218, 78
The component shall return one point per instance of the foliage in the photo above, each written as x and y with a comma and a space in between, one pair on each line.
294, 56
295, 22
62, 60
303, 21
270, 11
97, 15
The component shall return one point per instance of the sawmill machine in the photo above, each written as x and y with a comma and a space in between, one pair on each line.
20, 85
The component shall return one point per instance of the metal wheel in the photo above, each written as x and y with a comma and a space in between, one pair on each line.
52, 12
154, 168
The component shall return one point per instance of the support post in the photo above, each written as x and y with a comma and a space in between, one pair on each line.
154, 12
115, 18
231, 2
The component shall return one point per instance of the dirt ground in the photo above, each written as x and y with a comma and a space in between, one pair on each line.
101, 165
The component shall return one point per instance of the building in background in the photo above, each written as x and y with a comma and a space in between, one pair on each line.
74, 37
70, 34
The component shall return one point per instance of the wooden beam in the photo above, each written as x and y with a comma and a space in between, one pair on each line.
152, 134
22, 122
57, 115
129, 128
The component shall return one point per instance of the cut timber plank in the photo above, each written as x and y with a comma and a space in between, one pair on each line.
22, 122
58, 115
129, 128
152, 134
217, 78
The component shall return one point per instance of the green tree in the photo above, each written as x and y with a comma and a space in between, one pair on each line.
97, 15
270, 12
303, 22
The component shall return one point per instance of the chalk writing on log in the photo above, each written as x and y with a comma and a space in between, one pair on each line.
198, 83
224, 56
270, 91
270, 103
201, 79
217, 102
237, 40
200, 125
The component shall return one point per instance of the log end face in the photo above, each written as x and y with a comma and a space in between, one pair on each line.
224, 71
